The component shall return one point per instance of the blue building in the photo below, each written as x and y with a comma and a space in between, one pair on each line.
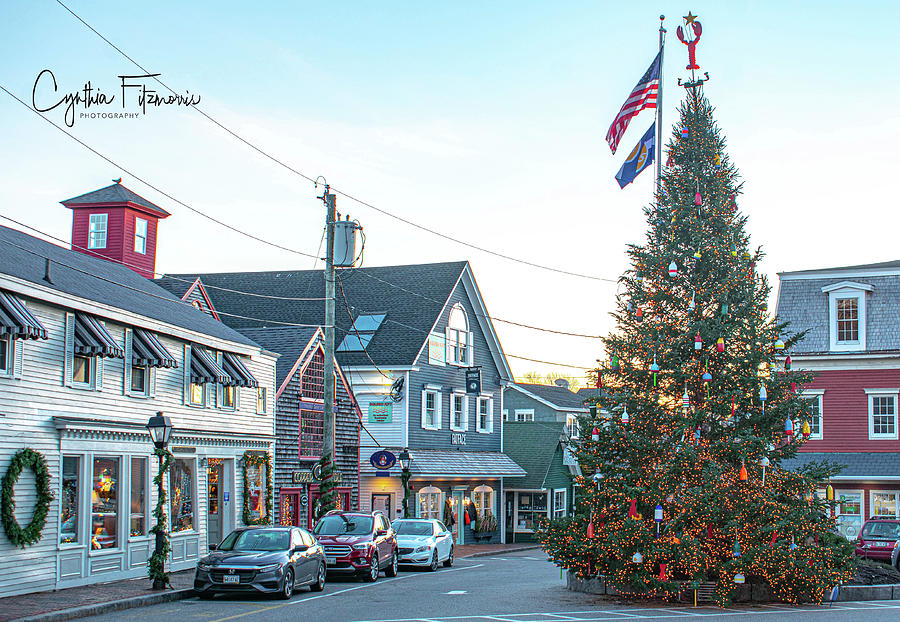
406, 337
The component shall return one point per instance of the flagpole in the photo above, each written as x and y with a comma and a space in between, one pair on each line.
659, 106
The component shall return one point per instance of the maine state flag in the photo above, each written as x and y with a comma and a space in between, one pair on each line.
640, 158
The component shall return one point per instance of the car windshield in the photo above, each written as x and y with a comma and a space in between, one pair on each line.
257, 540
888, 531
413, 528
344, 525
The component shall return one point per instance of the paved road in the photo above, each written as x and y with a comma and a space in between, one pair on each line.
521, 587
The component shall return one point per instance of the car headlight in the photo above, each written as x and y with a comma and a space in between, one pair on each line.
422, 549
361, 547
204, 566
270, 568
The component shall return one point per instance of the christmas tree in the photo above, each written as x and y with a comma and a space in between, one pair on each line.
681, 457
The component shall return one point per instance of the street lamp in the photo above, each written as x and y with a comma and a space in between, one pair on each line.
403, 459
160, 428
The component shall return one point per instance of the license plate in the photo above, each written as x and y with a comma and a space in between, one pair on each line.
331, 560
231, 578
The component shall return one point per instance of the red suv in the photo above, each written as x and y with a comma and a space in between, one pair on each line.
358, 544
877, 539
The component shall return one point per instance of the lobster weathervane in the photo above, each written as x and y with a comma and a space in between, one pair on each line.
691, 20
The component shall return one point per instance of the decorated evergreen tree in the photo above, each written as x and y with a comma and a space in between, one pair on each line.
681, 457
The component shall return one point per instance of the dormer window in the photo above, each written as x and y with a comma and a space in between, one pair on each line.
459, 339
97, 231
140, 236
847, 315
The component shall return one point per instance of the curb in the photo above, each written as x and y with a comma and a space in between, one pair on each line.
108, 607
493, 553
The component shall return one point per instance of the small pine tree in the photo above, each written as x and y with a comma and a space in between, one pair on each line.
695, 405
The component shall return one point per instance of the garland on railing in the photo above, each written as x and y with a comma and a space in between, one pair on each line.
258, 460
325, 502
26, 458
156, 568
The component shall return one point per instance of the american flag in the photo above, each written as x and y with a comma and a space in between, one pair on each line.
642, 96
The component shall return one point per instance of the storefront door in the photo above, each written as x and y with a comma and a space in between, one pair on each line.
215, 478
456, 503
341, 502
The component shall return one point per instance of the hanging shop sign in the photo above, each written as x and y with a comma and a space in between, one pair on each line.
381, 412
311, 477
457, 438
473, 380
383, 460
437, 349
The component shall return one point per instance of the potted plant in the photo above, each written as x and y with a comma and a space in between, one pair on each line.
486, 526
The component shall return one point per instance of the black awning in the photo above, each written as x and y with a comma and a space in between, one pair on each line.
147, 350
16, 320
92, 338
204, 368
232, 364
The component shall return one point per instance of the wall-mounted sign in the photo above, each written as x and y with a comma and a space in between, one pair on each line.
437, 349
457, 438
381, 412
473, 380
383, 460
310, 477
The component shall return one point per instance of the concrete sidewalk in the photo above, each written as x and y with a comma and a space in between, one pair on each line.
483, 550
94, 599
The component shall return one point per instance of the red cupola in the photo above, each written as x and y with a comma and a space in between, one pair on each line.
116, 224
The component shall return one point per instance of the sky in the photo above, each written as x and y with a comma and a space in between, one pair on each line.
483, 121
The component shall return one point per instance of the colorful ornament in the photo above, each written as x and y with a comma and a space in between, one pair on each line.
763, 396
590, 530
787, 363
693, 304
733, 203
595, 434
698, 199
788, 428
637, 558
779, 345
793, 387
625, 415
829, 492
732, 408
614, 364
697, 435
632, 510
805, 430
698, 342
662, 572
697, 254
743, 475
684, 132
655, 369
764, 462
639, 315
739, 578
686, 400
733, 250
718, 162
720, 345
793, 544
673, 269
772, 541
737, 548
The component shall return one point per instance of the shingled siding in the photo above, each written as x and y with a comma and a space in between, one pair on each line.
287, 441
802, 303
451, 377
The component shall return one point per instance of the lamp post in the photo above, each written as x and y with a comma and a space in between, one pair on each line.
160, 428
403, 459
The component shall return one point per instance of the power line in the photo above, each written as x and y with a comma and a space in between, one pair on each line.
149, 185
356, 330
525, 358
336, 191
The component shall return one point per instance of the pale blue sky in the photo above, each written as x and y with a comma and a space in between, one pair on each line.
487, 122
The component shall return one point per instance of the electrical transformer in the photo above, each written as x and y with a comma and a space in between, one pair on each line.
345, 243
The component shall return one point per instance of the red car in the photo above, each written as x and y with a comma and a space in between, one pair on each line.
877, 538
358, 544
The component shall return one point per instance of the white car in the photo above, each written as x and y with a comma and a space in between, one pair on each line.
423, 542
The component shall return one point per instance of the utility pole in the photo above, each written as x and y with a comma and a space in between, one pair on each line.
328, 416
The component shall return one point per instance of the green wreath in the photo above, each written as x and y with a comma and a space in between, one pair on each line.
258, 460
25, 459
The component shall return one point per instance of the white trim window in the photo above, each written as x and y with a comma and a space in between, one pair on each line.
882, 413
484, 418
850, 512
884, 503
431, 503
97, 226
847, 315
183, 494
572, 428
196, 394
815, 397
261, 400
524, 415
431, 408
459, 412
559, 503
140, 236
6, 356
71, 483
83, 370
505, 415
483, 498
459, 339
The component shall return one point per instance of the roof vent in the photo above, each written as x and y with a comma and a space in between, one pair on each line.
47, 271
561, 382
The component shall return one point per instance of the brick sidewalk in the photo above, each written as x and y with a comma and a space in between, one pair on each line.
29, 605
467, 550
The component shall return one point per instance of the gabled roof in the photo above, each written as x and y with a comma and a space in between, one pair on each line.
884, 265
556, 397
412, 296
288, 341
77, 275
532, 446
115, 194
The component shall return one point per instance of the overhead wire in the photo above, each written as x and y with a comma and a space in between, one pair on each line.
343, 193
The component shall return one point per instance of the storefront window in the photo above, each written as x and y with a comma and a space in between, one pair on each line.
884, 504
68, 529
532, 507
256, 475
138, 497
483, 498
849, 512
105, 504
430, 503
559, 503
289, 508
181, 484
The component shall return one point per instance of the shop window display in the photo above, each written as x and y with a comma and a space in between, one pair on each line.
68, 528
138, 497
531, 509
181, 483
256, 475
105, 504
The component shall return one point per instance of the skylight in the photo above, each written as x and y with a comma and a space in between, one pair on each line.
359, 336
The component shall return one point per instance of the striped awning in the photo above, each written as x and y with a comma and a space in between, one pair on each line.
16, 320
92, 338
232, 364
148, 351
204, 368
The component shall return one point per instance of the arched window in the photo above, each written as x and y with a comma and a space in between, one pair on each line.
430, 503
483, 498
458, 345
